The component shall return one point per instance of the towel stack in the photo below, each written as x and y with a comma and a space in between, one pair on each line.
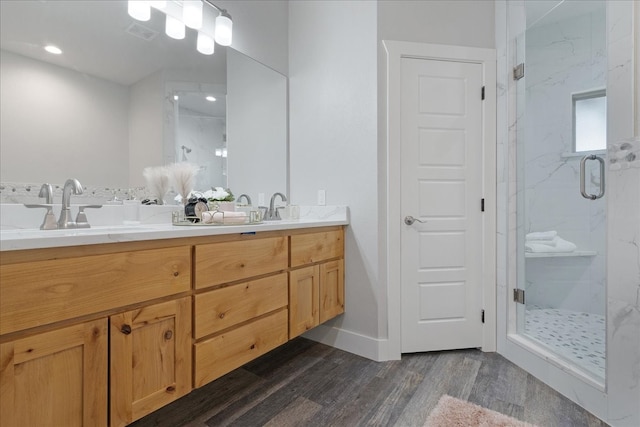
217, 217
547, 241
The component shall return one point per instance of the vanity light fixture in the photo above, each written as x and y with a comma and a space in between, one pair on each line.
174, 28
53, 49
224, 29
211, 98
139, 9
189, 13
192, 13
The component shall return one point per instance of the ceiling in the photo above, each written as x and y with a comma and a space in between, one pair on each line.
97, 39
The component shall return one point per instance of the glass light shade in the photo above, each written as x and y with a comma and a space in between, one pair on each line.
192, 14
224, 28
139, 9
205, 44
174, 28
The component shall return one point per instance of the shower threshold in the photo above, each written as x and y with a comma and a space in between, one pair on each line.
575, 336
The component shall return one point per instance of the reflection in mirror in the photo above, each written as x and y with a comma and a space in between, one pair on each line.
104, 109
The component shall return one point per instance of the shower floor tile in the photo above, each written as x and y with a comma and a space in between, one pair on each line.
579, 337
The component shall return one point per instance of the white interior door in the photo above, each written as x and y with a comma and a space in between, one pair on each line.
441, 186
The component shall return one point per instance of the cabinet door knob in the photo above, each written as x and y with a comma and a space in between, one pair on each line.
126, 329
168, 335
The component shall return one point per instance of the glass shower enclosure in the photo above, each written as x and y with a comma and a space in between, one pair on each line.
561, 70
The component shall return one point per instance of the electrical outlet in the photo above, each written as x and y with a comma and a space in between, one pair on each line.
322, 197
260, 199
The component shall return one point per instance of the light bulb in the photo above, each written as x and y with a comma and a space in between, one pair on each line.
53, 49
210, 98
224, 27
174, 28
205, 44
139, 9
192, 14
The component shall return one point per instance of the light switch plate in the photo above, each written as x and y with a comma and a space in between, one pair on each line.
322, 197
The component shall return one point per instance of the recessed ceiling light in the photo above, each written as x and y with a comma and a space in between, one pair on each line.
176, 97
210, 98
53, 49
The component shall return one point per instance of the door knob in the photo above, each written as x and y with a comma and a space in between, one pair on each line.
409, 220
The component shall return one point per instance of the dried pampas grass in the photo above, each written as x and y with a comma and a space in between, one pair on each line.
157, 181
182, 177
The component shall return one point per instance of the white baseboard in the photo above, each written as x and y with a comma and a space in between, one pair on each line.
362, 345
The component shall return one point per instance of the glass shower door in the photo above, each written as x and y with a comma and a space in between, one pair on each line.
561, 222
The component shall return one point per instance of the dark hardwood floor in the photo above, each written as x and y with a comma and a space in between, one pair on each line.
304, 383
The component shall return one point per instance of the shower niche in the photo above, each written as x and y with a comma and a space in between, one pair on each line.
560, 71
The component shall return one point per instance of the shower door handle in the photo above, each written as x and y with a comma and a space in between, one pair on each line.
583, 190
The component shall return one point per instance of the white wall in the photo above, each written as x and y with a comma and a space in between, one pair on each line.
256, 128
333, 140
337, 130
52, 128
145, 126
260, 30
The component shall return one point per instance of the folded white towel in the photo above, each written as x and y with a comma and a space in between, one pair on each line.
541, 235
215, 217
557, 245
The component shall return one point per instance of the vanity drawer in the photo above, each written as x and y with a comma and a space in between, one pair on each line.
230, 350
225, 307
42, 292
314, 247
218, 263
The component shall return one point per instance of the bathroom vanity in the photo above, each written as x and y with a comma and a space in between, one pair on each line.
107, 331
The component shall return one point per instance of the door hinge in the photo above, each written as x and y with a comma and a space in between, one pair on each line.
482, 315
518, 295
518, 71
482, 96
482, 205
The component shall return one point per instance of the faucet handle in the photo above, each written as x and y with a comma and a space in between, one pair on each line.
81, 218
49, 222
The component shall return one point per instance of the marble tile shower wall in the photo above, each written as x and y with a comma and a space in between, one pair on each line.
562, 58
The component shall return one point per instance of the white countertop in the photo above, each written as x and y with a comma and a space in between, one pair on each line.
33, 238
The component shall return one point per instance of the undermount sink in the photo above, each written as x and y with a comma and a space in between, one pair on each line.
37, 233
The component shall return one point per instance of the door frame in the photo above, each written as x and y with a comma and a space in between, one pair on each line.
396, 50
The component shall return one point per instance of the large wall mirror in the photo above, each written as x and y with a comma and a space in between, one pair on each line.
123, 96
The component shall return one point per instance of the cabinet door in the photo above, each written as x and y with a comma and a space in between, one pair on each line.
331, 289
304, 292
56, 378
150, 359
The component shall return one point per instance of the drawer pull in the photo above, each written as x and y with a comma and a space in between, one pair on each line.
176, 273
221, 315
253, 346
126, 329
168, 335
171, 389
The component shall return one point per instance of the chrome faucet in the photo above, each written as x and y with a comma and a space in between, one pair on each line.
65, 214
46, 191
247, 198
273, 214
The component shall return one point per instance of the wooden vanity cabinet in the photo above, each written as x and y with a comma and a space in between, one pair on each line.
57, 377
316, 279
242, 312
106, 334
150, 364
77, 323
